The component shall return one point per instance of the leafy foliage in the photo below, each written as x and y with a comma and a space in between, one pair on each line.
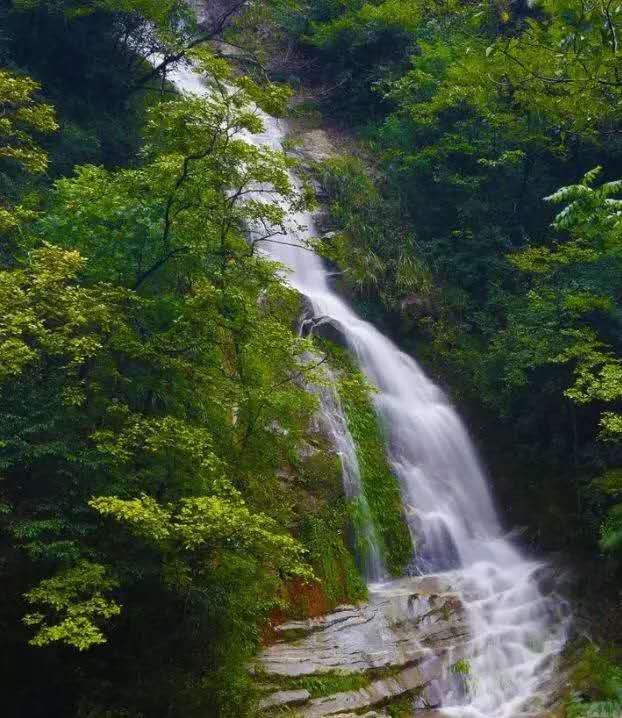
65, 595
21, 115
597, 681
159, 500
152, 388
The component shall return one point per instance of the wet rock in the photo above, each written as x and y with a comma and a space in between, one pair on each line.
341, 614
403, 641
281, 699
315, 145
322, 327
320, 193
306, 450
378, 692
546, 579
330, 331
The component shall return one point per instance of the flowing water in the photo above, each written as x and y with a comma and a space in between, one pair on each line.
335, 426
515, 631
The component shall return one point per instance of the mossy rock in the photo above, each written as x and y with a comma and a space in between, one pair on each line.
380, 485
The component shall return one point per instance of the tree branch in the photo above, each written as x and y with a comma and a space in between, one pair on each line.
212, 33
160, 263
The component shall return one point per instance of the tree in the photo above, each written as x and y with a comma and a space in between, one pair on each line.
578, 282
21, 114
150, 378
22, 117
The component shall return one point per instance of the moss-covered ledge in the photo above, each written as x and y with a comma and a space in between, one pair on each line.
380, 484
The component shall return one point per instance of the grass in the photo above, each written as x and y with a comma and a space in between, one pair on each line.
324, 684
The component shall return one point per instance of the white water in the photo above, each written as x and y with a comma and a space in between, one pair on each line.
516, 632
335, 425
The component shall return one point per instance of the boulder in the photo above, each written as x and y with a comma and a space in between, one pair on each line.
329, 330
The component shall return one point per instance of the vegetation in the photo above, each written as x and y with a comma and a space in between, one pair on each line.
597, 685
326, 538
477, 217
326, 683
380, 486
452, 229
152, 388
164, 490
401, 708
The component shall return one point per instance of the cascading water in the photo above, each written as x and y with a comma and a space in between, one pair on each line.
515, 631
446, 498
335, 425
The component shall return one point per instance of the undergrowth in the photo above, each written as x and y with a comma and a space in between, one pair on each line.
324, 684
324, 535
597, 685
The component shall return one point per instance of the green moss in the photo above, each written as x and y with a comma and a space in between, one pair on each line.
325, 684
326, 524
324, 535
461, 667
320, 473
402, 708
380, 485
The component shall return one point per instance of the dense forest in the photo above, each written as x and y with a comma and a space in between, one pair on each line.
166, 491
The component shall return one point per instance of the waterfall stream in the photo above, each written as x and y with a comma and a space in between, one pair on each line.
515, 631
335, 426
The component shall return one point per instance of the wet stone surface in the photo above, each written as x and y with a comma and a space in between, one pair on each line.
403, 643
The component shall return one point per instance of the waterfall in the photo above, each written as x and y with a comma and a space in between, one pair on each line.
516, 631
335, 426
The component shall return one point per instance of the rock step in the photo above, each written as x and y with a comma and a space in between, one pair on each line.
404, 642
347, 615
283, 699
376, 693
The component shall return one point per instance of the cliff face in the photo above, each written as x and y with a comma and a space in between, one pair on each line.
415, 644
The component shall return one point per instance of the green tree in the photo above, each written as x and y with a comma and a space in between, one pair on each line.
151, 381
23, 118
21, 115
